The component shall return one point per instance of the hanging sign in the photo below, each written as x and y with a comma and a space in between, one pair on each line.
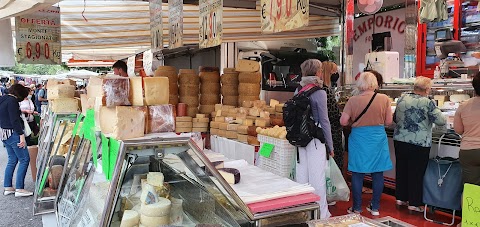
131, 66
38, 37
147, 62
471, 205
175, 20
211, 18
284, 15
156, 25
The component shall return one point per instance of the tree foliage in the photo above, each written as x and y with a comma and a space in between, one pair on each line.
31, 69
326, 45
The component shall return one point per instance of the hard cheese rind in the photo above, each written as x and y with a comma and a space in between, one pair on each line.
158, 209
156, 90
231, 175
136, 91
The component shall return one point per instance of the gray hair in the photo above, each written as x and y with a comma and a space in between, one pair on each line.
422, 84
367, 81
310, 67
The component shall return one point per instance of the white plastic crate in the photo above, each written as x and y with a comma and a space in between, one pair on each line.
282, 160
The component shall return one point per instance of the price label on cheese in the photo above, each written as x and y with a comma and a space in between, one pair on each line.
38, 37
175, 19
156, 25
266, 150
284, 15
211, 17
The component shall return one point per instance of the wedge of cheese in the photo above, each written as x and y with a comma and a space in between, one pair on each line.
122, 122
112, 90
136, 91
130, 218
247, 66
61, 91
156, 90
231, 175
65, 105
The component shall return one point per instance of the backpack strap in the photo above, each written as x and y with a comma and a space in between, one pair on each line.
366, 108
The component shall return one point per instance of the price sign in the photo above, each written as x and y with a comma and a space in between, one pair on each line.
284, 15
131, 66
156, 25
175, 19
211, 18
266, 150
147, 62
471, 205
38, 37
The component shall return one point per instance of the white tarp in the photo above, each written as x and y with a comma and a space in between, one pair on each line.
7, 58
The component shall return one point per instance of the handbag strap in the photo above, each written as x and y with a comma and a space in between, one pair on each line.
366, 108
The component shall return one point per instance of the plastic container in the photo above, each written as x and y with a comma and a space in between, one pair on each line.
282, 160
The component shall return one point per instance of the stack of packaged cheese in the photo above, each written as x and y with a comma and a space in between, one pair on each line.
209, 89
60, 94
171, 73
200, 123
189, 90
249, 80
229, 81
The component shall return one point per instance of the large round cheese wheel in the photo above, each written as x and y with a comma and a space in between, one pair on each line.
158, 209
250, 78
164, 68
173, 99
230, 90
206, 109
208, 69
210, 88
130, 218
154, 221
229, 70
192, 111
191, 101
207, 99
173, 88
230, 100
209, 77
188, 89
186, 71
229, 79
249, 89
189, 78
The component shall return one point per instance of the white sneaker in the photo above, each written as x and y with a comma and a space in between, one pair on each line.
6, 192
23, 193
372, 211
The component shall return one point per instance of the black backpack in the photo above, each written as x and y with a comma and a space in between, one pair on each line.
299, 121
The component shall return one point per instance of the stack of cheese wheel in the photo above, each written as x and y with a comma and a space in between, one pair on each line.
249, 86
183, 124
209, 89
189, 90
171, 73
229, 81
156, 214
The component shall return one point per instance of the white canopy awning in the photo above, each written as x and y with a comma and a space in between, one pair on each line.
12, 8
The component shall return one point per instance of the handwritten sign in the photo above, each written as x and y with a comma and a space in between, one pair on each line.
175, 20
266, 150
38, 37
211, 28
156, 25
147, 62
284, 15
131, 66
471, 206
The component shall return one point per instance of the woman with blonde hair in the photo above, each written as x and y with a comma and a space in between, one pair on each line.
368, 113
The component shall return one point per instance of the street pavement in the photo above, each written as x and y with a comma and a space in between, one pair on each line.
16, 211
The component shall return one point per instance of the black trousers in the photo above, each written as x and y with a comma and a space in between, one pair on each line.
412, 161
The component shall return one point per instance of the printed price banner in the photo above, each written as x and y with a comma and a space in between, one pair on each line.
38, 37
284, 15
156, 25
211, 17
175, 19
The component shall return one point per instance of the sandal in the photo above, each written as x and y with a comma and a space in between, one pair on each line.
367, 190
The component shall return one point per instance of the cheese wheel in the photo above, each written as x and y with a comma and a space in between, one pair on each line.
252, 131
188, 89
230, 90
130, 218
173, 99
229, 79
207, 99
250, 78
230, 100
188, 78
202, 129
184, 124
243, 98
158, 209
183, 119
210, 88
205, 109
186, 71
209, 77
191, 101
208, 69
173, 88
229, 70
154, 221
156, 90
180, 130
165, 68
249, 89
170, 74
192, 111
155, 179
200, 125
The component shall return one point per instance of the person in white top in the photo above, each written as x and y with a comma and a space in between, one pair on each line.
28, 110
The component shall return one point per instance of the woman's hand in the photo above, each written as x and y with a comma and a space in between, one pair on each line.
23, 142
332, 154
35, 113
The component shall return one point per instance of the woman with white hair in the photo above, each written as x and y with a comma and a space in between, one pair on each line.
368, 113
312, 159
414, 115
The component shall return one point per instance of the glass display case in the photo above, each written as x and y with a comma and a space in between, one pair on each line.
158, 180
55, 147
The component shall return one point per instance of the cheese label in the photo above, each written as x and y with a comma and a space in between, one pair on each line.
266, 150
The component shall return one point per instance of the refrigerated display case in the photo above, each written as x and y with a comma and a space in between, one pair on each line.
197, 191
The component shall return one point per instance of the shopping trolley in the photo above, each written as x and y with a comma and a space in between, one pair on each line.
442, 183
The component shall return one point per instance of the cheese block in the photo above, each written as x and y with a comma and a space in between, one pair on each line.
218, 107
248, 122
270, 110
214, 124
262, 122
156, 90
183, 119
64, 105
130, 218
155, 179
200, 120
232, 127
231, 175
86, 103
242, 138
180, 130
200, 124
160, 119
264, 114
154, 221
242, 129
128, 123
144, 110
223, 126
200, 129
184, 124
259, 104
254, 112
227, 107
247, 66
219, 119
239, 120
279, 108
252, 140
274, 102
201, 116
136, 91
158, 209
231, 134
222, 133
247, 104
113, 90
213, 131
61, 91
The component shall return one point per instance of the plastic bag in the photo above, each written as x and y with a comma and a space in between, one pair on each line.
337, 188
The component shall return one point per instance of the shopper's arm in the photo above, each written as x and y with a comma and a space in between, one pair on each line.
14, 114
457, 121
435, 114
388, 113
319, 108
